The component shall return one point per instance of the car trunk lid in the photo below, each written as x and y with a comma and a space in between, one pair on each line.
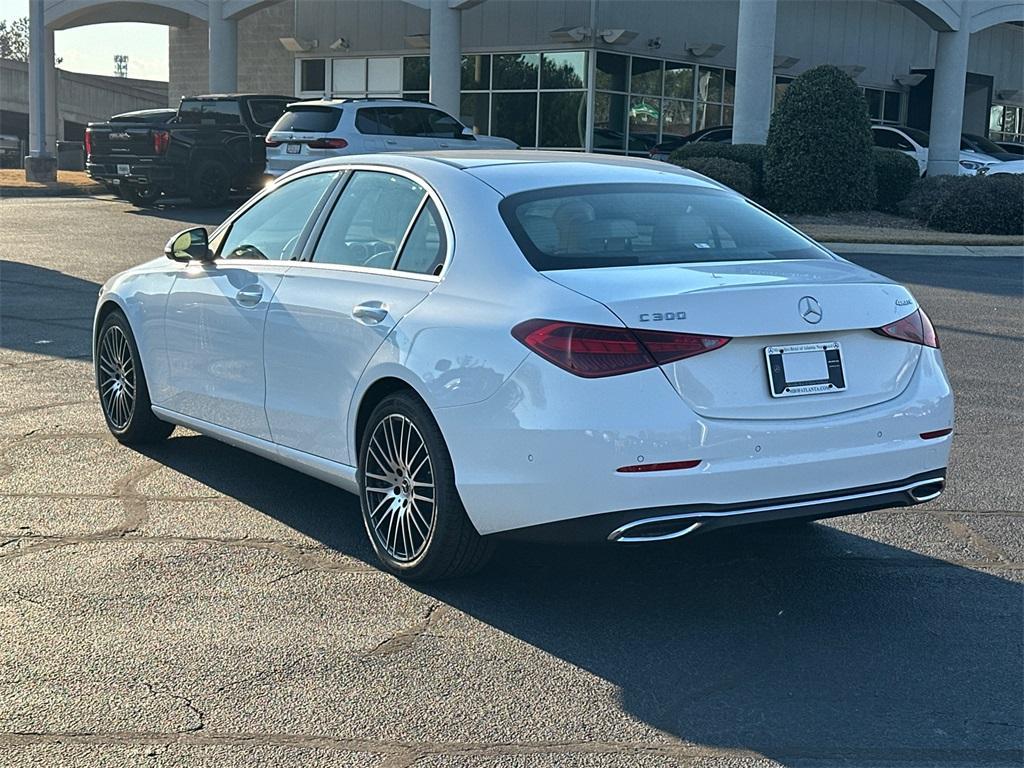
759, 305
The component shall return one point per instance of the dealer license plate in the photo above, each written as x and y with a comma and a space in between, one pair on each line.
805, 369
123, 169
294, 149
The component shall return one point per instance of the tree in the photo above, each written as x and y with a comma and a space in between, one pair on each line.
14, 39
819, 153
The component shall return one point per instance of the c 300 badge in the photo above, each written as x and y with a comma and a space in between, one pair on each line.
658, 317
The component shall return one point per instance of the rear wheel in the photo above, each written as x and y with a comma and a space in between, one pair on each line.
411, 508
141, 194
124, 395
210, 185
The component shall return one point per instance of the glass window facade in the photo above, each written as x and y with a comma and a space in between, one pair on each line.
884, 107
1005, 123
641, 101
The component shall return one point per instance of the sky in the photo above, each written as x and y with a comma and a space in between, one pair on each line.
91, 49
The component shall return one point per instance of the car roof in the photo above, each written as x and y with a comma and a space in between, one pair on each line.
512, 170
368, 102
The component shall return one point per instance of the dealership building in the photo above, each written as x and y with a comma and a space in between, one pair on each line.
603, 75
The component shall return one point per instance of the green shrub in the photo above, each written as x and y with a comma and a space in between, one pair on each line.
751, 155
819, 153
924, 195
734, 175
983, 205
895, 174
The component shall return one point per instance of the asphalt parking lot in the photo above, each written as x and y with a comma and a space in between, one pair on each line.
196, 605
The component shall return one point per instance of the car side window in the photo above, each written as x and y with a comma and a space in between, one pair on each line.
265, 112
443, 126
369, 221
374, 121
891, 140
426, 245
270, 229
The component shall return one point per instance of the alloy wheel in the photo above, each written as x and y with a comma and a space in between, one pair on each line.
117, 377
399, 488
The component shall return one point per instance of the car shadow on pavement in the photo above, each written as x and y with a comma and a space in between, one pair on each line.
186, 214
793, 642
45, 311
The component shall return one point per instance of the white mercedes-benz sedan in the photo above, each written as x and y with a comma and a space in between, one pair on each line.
552, 345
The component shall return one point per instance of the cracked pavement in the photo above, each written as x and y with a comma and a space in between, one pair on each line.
195, 605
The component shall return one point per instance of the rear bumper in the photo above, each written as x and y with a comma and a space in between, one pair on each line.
547, 446
140, 173
668, 523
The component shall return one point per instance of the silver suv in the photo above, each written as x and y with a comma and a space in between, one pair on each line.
313, 130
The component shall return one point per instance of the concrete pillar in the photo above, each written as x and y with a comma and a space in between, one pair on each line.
41, 164
223, 50
445, 56
948, 101
53, 125
755, 78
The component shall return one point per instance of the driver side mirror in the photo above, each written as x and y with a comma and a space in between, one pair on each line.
466, 133
189, 245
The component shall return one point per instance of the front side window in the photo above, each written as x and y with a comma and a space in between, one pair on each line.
270, 229
615, 225
443, 126
369, 221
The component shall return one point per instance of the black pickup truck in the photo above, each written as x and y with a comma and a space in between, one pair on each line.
210, 146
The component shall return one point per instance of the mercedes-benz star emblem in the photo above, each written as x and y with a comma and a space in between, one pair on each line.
810, 309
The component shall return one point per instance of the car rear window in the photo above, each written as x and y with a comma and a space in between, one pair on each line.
614, 225
309, 120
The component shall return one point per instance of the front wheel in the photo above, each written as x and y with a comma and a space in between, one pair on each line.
411, 508
124, 394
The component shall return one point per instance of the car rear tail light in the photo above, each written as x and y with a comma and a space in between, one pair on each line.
271, 143
593, 351
88, 142
665, 466
161, 140
936, 433
328, 144
915, 328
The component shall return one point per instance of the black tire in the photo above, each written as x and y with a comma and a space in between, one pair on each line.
210, 184
451, 546
119, 370
140, 194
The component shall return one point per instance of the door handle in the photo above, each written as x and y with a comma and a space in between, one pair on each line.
444, 146
250, 296
390, 141
370, 312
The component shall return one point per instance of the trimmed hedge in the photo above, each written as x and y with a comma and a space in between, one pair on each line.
895, 174
982, 205
924, 195
819, 153
734, 175
750, 155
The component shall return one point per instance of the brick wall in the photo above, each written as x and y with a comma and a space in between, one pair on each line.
264, 66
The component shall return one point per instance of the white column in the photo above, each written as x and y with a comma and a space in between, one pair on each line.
39, 77
948, 101
223, 61
445, 56
53, 126
755, 78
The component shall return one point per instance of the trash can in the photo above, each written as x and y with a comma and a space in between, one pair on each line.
70, 156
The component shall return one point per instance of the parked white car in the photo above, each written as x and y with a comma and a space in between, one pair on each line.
314, 130
914, 143
1010, 166
541, 344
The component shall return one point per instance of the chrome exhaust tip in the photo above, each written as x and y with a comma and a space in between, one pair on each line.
926, 491
656, 531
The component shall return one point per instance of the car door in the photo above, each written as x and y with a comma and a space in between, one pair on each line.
376, 257
216, 310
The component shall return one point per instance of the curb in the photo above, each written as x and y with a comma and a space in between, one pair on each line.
885, 249
19, 192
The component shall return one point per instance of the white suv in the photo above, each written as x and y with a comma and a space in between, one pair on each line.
313, 130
